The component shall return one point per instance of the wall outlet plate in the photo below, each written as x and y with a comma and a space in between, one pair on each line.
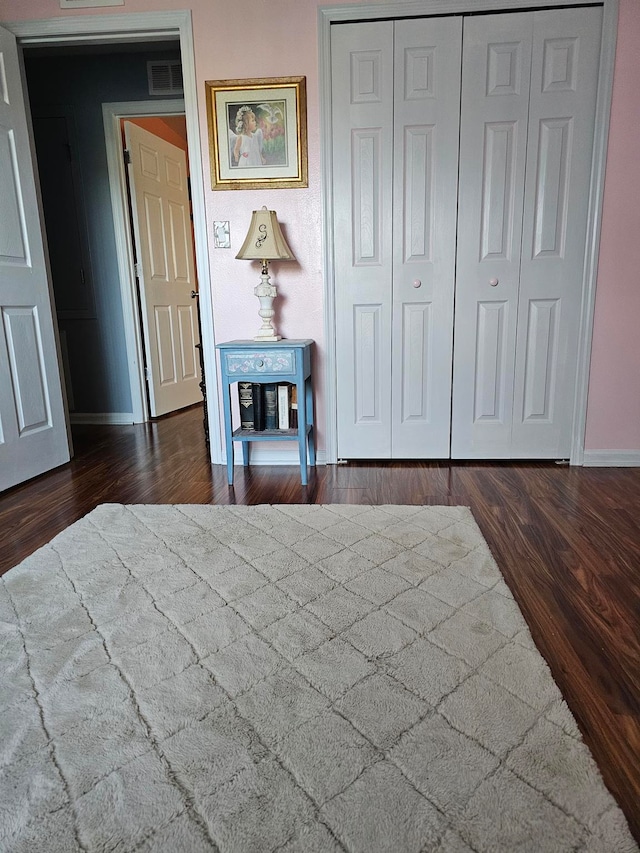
221, 235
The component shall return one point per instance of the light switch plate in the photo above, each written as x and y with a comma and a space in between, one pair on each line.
221, 235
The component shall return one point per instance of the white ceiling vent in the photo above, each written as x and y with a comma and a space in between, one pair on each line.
165, 77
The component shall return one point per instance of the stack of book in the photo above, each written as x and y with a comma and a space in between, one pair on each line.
268, 406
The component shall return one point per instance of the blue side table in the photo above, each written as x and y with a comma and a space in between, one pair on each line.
277, 361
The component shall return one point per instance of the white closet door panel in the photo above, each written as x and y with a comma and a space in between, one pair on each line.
426, 130
564, 79
33, 429
489, 401
362, 116
496, 69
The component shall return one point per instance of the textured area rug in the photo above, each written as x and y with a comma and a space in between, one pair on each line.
290, 678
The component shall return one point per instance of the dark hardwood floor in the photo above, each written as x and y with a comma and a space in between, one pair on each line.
567, 541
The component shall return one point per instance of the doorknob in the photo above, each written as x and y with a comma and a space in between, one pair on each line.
417, 282
493, 282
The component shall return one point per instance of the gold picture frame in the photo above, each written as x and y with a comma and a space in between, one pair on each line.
257, 133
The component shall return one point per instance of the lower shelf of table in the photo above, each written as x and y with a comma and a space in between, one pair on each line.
267, 434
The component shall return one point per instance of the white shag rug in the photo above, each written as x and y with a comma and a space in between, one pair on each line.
290, 678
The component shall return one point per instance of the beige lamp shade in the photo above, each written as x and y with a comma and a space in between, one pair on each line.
265, 240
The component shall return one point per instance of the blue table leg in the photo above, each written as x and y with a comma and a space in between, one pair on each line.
226, 401
302, 431
310, 421
245, 453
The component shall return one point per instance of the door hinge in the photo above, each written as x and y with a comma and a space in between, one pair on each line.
147, 373
138, 268
127, 156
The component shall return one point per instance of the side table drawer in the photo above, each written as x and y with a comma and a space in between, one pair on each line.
283, 361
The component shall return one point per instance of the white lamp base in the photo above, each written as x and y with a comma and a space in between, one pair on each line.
266, 293
268, 338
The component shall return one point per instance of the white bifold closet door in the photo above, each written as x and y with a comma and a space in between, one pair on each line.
529, 83
471, 185
396, 106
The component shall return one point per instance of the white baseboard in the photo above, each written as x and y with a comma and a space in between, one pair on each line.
611, 459
101, 417
273, 456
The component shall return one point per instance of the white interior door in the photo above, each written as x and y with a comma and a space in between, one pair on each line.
395, 99
528, 106
166, 269
564, 83
33, 428
426, 127
362, 103
493, 151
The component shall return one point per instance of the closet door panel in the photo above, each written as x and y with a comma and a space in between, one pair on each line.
496, 68
489, 400
564, 79
425, 172
362, 117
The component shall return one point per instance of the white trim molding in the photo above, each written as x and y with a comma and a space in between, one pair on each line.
261, 455
328, 15
140, 27
611, 458
594, 224
81, 4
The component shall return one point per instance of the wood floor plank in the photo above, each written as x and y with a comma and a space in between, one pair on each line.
567, 541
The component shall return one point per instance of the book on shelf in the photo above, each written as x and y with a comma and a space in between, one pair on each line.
268, 406
270, 399
293, 411
251, 405
258, 407
283, 406
245, 398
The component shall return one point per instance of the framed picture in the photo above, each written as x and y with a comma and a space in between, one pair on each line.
257, 133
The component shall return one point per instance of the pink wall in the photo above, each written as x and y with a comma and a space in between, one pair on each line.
279, 38
613, 414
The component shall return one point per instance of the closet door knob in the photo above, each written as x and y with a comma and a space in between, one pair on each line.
493, 282
417, 282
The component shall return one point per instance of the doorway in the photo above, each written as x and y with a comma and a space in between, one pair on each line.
159, 204
96, 302
125, 29
167, 120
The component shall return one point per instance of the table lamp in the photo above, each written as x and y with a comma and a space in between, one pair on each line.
265, 242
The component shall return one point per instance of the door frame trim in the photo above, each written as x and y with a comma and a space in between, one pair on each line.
111, 114
329, 15
140, 27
